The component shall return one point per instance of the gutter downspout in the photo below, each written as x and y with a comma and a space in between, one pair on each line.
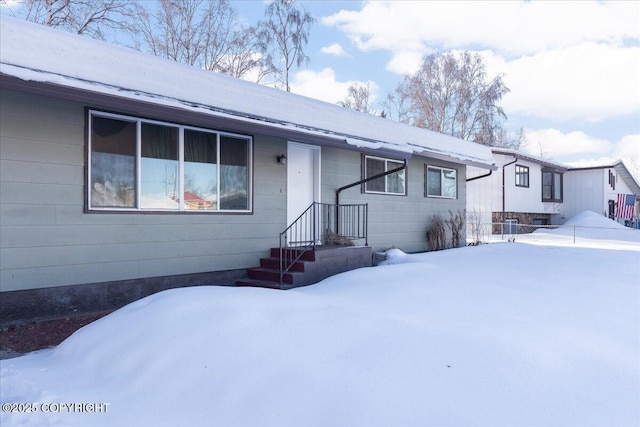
362, 181
479, 177
515, 159
371, 178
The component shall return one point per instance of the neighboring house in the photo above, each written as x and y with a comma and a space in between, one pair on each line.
529, 190
604, 189
524, 190
98, 142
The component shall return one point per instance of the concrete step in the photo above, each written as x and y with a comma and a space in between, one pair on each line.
289, 253
274, 263
272, 275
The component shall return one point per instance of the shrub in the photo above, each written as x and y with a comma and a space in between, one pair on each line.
456, 224
436, 233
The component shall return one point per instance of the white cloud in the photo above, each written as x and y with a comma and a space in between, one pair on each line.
554, 143
324, 86
562, 60
512, 28
629, 148
589, 81
335, 50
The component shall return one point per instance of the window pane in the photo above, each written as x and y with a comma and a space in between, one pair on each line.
434, 187
522, 176
374, 167
449, 183
159, 167
200, 170
547, 180
234, 173
557, 186
395, 181
113, 163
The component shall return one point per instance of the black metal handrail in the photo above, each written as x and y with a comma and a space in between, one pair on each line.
322, 224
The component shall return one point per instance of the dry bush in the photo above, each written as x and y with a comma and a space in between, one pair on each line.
456, 224
436, 233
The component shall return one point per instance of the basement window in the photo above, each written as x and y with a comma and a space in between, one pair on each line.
142, 165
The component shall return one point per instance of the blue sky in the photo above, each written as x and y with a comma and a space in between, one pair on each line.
573, 67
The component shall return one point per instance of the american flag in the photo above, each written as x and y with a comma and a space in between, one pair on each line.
626, 203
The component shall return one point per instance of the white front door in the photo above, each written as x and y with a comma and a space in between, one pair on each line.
303, 178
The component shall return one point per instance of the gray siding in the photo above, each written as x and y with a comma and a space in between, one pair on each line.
394, 221
47, 240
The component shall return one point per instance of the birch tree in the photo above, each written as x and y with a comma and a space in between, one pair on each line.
452, 94
200, 33
358, 98
94, 18
285, 33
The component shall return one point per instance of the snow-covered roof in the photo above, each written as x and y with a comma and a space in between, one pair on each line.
39, 54
535, 159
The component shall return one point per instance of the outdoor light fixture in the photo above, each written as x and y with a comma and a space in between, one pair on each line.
282, 159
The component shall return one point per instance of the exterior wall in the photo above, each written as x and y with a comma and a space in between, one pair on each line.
485, 194
523, 220
48, 240
587, 190
525, 199
394, 221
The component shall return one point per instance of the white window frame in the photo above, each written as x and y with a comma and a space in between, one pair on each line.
442, 171
138, 187
511, 226
386, 177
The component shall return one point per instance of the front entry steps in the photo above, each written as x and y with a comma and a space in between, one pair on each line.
314, 266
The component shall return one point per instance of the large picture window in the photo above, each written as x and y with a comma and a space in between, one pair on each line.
551, 186
137, 164
389, 184
441, 182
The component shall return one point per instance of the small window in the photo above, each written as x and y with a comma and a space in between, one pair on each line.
388, 184
522, 176
441, 182
540, 221
511, 226
551, 186
137, 164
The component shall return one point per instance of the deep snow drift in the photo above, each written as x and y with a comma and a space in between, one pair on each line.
500, 334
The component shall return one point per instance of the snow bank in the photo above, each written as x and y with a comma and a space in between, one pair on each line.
503, 334
592, 219
592, 229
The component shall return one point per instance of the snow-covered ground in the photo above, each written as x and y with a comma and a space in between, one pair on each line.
504, 334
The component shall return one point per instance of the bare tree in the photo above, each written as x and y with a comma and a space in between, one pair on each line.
451, 94
358, 96
397, 105
201, 33
285, 32
89, 17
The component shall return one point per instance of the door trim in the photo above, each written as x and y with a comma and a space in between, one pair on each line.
316, 169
